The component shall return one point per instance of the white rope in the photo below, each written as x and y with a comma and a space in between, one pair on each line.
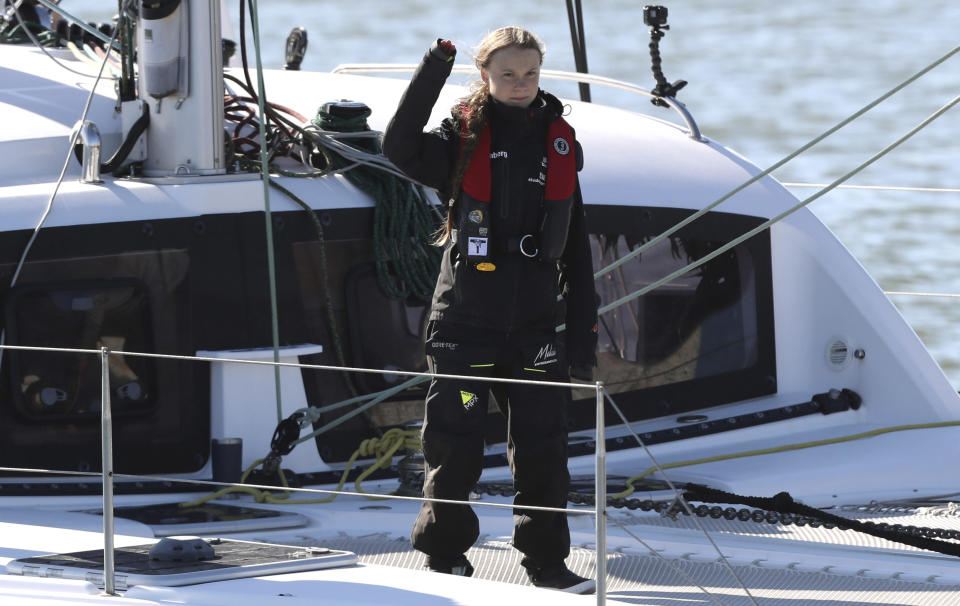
803, 148
766, 224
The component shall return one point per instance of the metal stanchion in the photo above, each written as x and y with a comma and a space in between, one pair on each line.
600, 482
106, 429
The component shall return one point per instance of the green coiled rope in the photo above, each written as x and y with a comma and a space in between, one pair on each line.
403, 222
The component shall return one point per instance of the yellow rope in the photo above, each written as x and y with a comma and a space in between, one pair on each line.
383, 448
788, 447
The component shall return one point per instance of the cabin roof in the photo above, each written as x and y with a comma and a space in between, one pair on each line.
630, 159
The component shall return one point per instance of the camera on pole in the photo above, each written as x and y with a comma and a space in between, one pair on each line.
655, 17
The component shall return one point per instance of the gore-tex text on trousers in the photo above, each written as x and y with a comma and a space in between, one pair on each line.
453, 439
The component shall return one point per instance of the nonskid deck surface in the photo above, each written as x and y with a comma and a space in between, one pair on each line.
637, 576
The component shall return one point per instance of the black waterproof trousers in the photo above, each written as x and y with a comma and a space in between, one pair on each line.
453, 439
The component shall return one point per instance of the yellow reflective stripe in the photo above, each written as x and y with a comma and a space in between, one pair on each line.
480, 365
534, 370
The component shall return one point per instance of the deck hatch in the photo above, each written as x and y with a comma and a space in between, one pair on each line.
232, 560
169, 519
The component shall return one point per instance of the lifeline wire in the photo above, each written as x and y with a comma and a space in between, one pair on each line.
921, 294
679, 497
936, 190
766, 224
645, 246
175, 480
268, 220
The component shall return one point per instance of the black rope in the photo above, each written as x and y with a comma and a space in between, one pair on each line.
403, 224
783, 503
327, 298
672, 509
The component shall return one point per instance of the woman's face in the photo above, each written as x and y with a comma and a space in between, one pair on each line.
513, 75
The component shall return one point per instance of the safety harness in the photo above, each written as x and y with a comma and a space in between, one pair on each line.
474, 226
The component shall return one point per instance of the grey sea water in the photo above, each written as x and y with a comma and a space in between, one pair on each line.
764, 78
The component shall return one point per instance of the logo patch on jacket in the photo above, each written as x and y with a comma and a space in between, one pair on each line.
561, 146
477, 247
546, 355
469, 399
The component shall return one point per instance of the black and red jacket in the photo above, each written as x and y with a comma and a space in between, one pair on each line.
521, 294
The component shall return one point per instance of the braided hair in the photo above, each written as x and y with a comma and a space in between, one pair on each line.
472, 112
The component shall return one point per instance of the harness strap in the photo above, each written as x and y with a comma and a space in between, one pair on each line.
476, 181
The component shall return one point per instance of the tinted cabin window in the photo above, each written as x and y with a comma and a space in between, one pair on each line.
702, 339
372, 331
700, 324
84, 315
132, 301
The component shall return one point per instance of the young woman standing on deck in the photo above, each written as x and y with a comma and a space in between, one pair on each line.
515, 240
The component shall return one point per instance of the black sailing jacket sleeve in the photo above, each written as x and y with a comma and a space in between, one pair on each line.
424, 156
581, 316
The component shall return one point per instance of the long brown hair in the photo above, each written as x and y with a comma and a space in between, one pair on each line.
473, 110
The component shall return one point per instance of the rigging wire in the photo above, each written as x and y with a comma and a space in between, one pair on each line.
268, 220
857, 114
766, 224
63, 170
667, 561
679, 497
907, 188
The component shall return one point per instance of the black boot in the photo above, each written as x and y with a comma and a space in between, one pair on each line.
558, 576
458, 565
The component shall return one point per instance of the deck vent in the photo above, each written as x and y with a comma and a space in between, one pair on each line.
839, 353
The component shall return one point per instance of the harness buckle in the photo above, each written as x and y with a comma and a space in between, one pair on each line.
523, 249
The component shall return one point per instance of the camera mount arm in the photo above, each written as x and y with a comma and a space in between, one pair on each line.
656, 18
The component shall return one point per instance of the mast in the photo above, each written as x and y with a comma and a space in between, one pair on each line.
181, 79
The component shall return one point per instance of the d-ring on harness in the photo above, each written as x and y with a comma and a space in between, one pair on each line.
533, 243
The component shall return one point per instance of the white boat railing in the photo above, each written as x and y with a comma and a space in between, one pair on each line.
107, 473
550, 74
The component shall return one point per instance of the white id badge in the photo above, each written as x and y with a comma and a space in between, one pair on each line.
477, 247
